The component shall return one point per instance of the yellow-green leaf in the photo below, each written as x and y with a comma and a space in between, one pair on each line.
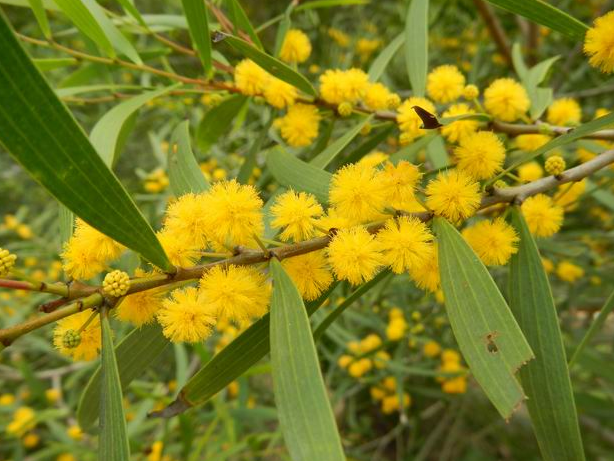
198, 22
184, 173
416, 45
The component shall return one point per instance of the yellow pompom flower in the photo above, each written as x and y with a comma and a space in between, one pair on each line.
89, 344
569, 272
471, 92
357, 192
354, 255
310, 273
555, 165
356, 84
543, 217
599, 43
395, 330
445, 84
296, 47
88, 252
234, 214
24, 419
480, 154
427, 276
564, 111
493, 241
408, 120
373, 159
250, 78
399, 183
186, 316
333, 220
567, 195
7, 261
530, 171
453, 195
506, 99
338, 86
140, 308
531, 142
456, 131
297, 213
405, 243
299, 127
279, 94
186, 216
236, 293
431, 349
378, 97
179, 248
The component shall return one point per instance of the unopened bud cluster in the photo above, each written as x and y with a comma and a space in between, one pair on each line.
345, 109
471, 92
116, 283
555, 165
71, 339
7, 261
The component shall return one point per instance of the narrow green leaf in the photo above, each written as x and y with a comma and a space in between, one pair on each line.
217, 121
283, 28
416, 45
270, 64
487, 333
41, 16
184, 173
198, 21
300, 176
113, 442
250, 159
67, 222
74, 90
107, 134
241, 22
379, 64
546, 378
437, 153
129, 7
597, 324
305, 414
519, 65
323, 159
135, 353
41, 134
46, 64
544, 14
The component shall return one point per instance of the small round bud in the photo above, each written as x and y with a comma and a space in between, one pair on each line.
555, 165
470, 92
366, 129
71, 339
394, 101
116, 283
345, 109
7, 261
500, 184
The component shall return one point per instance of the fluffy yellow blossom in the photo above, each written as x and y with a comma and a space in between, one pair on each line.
296, 212
299, 127
186, 216
459, 129
236, 293
399, 183
445, 84
406, 244
480, 154
506, 99
338, 86
296, 47
374, 159
564, 111
24, 419
140, 308
354, 255
186, 316
310, 273
179, 248
408, 120
89, 345
396, 329
531, 142
599, 43
356, 191
530, 171
567, 195
250, 78
234, 214
453, 195
456, 385
493, 241
569, 272
333, 220
431, 349
543, 217
378, 97
88, 252
279, 94
427, 276
345, 360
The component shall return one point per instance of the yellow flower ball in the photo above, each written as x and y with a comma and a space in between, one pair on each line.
296, 47
296, 213
427, 277
354, 255
431, 349
493, 241
179, 248
337, 86
299, 127
568, 194
7, 261
279, 94
506, 99
310, 273
406, 244
250, 78
471, 92
399, 183
409, 121
116, 283
186, 316
378, 97
453, 195
555, 165
564, 111
599, 43
396, 329
445, 84
569, 272
140, 308
543, 217
90, 343
459, 129
530, 171
531, 142
186, 216
480, 154
357, 192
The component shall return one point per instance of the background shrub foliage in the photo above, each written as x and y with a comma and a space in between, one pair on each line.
330, 229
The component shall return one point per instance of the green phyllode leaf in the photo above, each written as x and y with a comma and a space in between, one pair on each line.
416, 45
184, 173
195, 12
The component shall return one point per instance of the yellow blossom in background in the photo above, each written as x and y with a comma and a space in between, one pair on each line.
543, 217
445, 84
396, 328
409, 122
250, 78
453, 195
455, 385
599, 43
427, 276
74, 432
354, 255
569, 272
548, 265
52, 395
356, 191
299, 127
310, 273
366, 47
279, 94
6, 400
378, 97
236, 293
584, 155
459, 129
493, 241
530, 171
156, 181
531, 142
65, 457
90, 342
567, 195
360, 367
186, 317
480, 154
22, 422
373, 159
471, 92
296, 47
564, 111
341, 38
140, 308
296, 213
399, 183
405, 243
506, 99
431, 349
186, 216
179, 248
30, 440
391, 403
